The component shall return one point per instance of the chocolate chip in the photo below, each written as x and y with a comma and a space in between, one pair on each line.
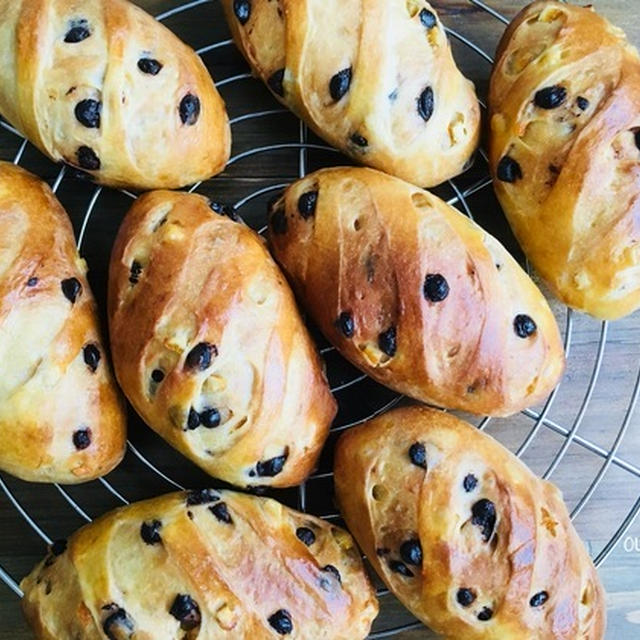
484, 516
382, 551
637, 138
346, 324
539, 599
221, 512
32, 282
150, 66
275, 82
485, 614
465, 597
524, 326
202, 496
428, 19
59, 547
242, 9
340, 83
135, 272
418, 455
91, 355
509, 170
82, 438
189, 109
550, 97
150, 532
78, 31
157, 375
435, 288
225, 210
306, 535
281, 622
400, 567
278, 222
186, 610
87, 159
88, 113
583, 103
307, 204
210, 418
193, 419
71, 288
387, 341
199, 358
470, 482
333, 571
271, 467
411, 552
118, 625
359, 140
426, 104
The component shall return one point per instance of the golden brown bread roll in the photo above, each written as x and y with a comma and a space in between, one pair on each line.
103, 86
414, 293
375, 79
565, 152
208, 344
207, 564
470, 541
61, 416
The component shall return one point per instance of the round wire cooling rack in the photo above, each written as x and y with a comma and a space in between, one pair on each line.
577, 437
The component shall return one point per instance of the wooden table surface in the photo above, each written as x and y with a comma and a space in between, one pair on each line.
596, 394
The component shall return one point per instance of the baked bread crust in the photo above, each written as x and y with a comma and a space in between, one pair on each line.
208, 344
490, 548
414, 293
101, 85
246, 563
564, 151
61, 415
376, 79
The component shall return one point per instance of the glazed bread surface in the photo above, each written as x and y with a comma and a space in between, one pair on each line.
469, 540
101, 85
61, 416
565, 153
376, 79
208, 344
414, 293
205, 564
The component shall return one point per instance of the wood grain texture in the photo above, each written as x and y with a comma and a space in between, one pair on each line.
20, 547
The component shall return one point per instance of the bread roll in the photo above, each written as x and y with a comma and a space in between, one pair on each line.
414, 293
101, 85
208, 344
470, 541
376, 79
565, 152
61, 416
206, 564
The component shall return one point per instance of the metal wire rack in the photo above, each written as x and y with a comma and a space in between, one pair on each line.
359, 398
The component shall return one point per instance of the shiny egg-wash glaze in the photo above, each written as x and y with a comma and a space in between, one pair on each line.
414, 293
61, 416
565, 153
375, 78
209, 346
212, 565
104, 87
463, 533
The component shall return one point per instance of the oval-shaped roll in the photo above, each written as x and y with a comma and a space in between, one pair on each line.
206, 564
61, 416
104, 87
414, 293
208, 344
565, 150
462, 532
376, 79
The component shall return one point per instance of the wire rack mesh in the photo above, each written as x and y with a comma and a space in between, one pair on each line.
571, 438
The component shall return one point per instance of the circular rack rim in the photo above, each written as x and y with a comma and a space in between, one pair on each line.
571, 436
